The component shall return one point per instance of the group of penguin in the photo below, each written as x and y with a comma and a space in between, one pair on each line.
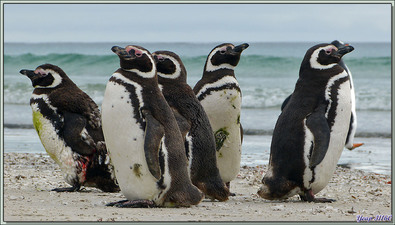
163, 144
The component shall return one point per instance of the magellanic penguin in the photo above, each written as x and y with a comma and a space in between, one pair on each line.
311, 131
68, 123
194, 125
143, 138
219, 93
353, 120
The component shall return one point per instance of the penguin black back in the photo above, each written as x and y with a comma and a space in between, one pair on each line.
68, 123
194, 125
149, 141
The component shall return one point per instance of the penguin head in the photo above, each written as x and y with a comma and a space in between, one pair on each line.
338, 43
276, 187
224, 56
46, 76
169, 66
136, 59
325, 56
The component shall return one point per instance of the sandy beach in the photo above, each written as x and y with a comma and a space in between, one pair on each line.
28, 179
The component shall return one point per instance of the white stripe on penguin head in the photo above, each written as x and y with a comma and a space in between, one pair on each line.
149, 74
314, 58
174, 75
210, 67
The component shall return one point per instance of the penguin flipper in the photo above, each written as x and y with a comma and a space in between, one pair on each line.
94, 115
350, 145
318, 125
182, 122
154, 132
285, 102
75, 135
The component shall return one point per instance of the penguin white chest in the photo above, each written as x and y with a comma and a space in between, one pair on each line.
342, 104
53, 144
223, 108
124, 137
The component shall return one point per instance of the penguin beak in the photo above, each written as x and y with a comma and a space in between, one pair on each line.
29, 73
343, 50
121, 52
33, 75
238, 49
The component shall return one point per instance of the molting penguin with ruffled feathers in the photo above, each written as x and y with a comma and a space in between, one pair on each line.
68, 123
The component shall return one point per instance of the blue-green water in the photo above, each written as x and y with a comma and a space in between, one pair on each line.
267, 73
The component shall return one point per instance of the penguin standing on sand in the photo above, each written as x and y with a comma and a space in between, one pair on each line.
143, 138
219, 93
353, 120
68, 123
311, 131
193, 123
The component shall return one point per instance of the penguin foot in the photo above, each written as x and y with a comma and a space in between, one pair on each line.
209, 198
309, 197
141, 203
228, 186
118, 202
67, 189
355, 145
323, 200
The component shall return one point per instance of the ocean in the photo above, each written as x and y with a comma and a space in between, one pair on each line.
267, 73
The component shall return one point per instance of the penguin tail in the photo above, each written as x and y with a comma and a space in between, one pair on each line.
102, 177
214, 188
187, 196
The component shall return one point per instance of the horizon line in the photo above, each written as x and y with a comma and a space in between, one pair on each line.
173, 42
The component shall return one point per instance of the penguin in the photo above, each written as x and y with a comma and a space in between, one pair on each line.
311, 131
68, 124
194, 125
143, 138
353, 120
219, 93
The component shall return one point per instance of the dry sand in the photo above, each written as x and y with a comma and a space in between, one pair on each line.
28, 179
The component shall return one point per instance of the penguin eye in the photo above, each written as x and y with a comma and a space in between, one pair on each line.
137, 53
44, 74
328, 52
222, 51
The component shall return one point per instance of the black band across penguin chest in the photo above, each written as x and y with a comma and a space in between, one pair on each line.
49, 113
226, 86
334, 96
134, 100
216, 81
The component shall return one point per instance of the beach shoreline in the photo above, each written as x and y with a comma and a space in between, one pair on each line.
29, 177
